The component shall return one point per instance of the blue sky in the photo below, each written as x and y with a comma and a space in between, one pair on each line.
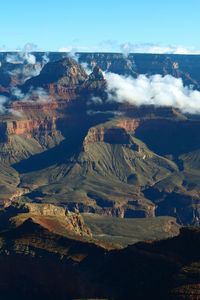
105, 24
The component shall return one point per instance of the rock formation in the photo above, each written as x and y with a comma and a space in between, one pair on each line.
54, 218
74, 267
109, 158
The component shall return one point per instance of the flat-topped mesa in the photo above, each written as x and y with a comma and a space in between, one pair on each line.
28, 117
150, 111
32, 116
27, 126
113, 135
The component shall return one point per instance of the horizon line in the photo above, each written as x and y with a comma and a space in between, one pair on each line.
97, 52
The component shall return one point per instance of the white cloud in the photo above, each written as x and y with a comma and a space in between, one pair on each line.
23, 55
67, 49
45, 58
113, 46
156, 48
128, 47
155, 90
36, 95
21, 58
30, 47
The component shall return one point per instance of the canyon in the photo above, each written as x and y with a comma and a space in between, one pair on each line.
41, 263
68, 145
95, 195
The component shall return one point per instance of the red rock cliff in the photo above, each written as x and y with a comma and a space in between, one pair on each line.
128, 124
107, 135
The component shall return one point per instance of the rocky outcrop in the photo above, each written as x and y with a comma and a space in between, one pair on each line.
51, 265
62, 76
65, 87
49, 216
15, 73
32, 131
65, 93
106, 135
67, 80
150, 64
95, 82
110, 62
36, 107
104, 151
131, 209
28, 118
26, 127
130, 125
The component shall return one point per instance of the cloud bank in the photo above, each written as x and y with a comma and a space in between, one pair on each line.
38, 95
154, 90
128, 47
156, 48
34, 95
106, 46
25, 62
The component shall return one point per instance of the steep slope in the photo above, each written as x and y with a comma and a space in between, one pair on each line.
9, 179
96, 156
45, 263
113, 172
56, 219
177, 195
54, 100
13, 74
39, 123
63, 78
106, 176
40, 264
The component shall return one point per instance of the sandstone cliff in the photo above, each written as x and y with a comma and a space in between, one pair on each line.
54, 218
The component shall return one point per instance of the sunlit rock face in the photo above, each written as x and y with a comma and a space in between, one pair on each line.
69, 144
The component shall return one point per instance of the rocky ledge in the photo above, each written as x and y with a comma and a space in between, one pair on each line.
54, 218
107, 135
